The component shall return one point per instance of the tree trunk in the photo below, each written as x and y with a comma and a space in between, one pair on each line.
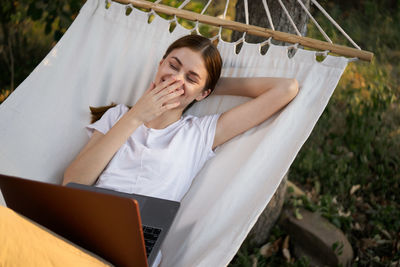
259, 234
257, 16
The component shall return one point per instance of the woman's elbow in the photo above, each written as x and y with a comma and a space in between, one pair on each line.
69, 175
74, 174
66, 177
292, 87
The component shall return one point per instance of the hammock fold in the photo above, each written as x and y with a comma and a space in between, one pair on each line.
106, 56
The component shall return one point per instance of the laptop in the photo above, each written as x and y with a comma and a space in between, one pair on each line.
124, 229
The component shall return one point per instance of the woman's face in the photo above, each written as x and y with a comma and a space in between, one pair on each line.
187, 66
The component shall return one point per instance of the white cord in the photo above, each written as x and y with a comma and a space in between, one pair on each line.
268, 14
334, 23
315, 22
183, 4
246, 11
223, 16
204, 9
226, 9
289, 17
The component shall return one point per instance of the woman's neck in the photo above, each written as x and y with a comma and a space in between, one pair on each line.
165, 119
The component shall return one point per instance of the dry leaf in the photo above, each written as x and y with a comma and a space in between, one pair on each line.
341, 213
286, 254
286, 242
386, 233
354, 188
267, 250
277, 244
270, 249
383, 241
377, 259
254, 259
367, 242
285, 249
297, 192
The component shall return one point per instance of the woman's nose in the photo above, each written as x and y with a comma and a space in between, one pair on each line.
179, 77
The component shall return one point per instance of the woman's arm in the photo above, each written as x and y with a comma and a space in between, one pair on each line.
269, 96
249, 87
94, 157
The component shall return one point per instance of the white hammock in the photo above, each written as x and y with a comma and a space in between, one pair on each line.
107, 56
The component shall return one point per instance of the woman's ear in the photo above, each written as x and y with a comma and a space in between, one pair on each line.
203, 94
161, 61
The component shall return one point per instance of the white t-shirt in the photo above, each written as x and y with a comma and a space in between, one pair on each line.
157, 162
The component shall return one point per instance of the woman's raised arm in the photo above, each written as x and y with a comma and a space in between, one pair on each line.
269, 96
97, 153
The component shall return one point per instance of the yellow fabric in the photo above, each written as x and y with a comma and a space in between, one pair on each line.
25, 243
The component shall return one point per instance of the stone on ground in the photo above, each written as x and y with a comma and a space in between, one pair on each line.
314, 237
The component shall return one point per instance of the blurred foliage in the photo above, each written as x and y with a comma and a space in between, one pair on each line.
215, 9
349, 166
28, 31
13, 13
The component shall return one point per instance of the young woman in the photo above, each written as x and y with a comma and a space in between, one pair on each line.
188, 72
151, 148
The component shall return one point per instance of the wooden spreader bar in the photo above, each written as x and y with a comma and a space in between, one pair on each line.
253, 30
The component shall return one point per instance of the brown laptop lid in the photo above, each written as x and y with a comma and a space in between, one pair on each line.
107, 225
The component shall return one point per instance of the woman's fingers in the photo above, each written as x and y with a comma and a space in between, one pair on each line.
151, 87
164, 84
167, 97
158, 98
169, 106
170, 89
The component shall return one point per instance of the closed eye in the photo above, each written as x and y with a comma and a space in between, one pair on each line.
190, 80
172, 66
175, 68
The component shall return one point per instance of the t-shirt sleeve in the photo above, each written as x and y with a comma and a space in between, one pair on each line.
208, 126
109, 118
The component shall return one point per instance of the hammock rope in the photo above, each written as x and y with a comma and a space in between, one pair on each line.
223, 17
204, 9
268, 14
325, 46
183, 4
315, 22
246, 11
196, 27
335, 23
289, 17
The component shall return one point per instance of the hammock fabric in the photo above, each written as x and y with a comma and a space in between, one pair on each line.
106, 56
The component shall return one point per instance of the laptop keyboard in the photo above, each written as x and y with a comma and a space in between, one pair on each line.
150, 235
